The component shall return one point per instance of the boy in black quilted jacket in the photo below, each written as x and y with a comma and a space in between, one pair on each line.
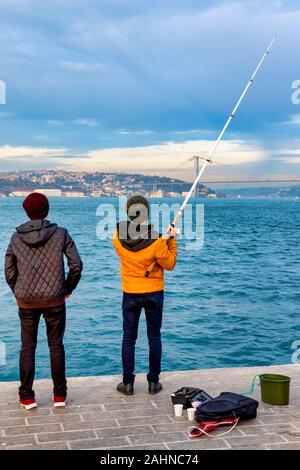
34, 270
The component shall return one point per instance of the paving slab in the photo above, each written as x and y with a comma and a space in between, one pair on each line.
98, 417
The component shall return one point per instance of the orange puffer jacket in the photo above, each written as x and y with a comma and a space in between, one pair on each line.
134, 265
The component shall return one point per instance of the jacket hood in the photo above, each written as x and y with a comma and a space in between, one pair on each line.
36, 232
136, 237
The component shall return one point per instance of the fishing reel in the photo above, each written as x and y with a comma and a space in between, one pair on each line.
177, 230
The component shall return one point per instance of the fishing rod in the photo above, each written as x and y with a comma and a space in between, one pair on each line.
209, 160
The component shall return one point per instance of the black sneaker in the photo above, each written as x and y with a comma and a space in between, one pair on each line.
154, 387
127, 389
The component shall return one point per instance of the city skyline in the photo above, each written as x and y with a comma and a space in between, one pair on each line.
142, 87
20, 183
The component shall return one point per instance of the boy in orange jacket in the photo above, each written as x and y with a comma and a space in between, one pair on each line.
138, 245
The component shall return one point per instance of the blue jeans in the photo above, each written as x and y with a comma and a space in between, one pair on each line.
132, 306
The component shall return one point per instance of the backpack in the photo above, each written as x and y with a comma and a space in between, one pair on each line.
227, 405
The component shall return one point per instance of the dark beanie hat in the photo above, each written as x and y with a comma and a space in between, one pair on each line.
36, 206
138, 200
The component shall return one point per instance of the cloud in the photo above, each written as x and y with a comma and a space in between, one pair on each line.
292, 161
133, 73
41, 136
142, 132
190, 132
6, 115
86, 122
163, 65
165, 158
55, 122
16, 154
288, 151
289, 156
91, 67
152, 159
294, 119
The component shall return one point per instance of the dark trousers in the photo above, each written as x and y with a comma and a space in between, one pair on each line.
132, 307
55, 318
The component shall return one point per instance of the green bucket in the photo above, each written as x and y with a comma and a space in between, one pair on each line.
275, 389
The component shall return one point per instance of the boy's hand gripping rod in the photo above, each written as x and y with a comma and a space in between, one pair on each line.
209, 158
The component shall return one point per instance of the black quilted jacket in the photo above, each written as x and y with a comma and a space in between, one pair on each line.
34, 264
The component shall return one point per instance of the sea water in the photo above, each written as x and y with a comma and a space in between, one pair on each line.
235, 302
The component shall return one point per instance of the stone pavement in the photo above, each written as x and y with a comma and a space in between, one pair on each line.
98, 417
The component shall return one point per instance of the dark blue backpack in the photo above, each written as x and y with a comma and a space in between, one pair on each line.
227, 405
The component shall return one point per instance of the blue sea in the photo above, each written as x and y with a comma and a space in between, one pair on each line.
235, 302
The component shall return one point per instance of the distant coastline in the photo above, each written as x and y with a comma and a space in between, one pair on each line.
80, 184
60, 183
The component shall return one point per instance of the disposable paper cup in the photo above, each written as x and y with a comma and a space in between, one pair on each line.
191, 414
178, 410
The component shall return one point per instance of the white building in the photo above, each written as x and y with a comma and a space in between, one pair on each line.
47, 179
19, 193
73, 194
49, 192
158, 193
97, 193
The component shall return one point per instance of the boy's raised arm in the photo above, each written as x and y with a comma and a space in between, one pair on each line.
166, 254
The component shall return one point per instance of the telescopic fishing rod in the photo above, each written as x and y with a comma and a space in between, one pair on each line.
210, 155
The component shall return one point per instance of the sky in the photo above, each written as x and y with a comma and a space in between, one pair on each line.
141, 86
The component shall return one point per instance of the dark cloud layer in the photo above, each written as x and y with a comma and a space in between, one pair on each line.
136, 65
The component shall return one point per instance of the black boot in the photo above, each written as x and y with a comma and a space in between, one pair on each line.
154, 387
127, 389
